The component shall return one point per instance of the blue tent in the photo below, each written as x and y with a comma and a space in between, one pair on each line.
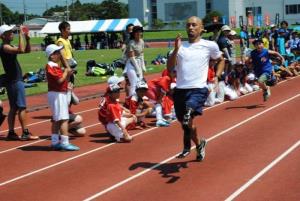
92, 26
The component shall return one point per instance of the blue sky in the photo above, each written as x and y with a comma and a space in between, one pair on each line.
39, 6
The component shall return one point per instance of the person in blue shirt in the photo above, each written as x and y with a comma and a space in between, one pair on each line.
260, 60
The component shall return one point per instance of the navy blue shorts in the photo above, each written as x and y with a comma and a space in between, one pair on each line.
16, 94
189, 98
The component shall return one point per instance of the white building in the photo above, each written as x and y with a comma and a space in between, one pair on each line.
233, 10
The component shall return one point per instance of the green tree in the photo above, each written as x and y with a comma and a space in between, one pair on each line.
111, 9
173, 24
209, 17
158, 24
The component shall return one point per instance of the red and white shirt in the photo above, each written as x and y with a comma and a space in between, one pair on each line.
132, 103
158, 86
114, 111
54, 72
102, 112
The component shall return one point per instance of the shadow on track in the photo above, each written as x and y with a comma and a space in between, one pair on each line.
167, 170
249, 107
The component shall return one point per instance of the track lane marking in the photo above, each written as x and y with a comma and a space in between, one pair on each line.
208, 108
174, 156
38, 141
262, 172
140, 133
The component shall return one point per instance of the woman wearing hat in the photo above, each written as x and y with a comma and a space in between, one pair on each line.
135, 64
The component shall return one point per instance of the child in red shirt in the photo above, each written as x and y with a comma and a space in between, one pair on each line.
138, 104
57, 99
117, 119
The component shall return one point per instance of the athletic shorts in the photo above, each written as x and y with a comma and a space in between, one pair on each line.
189, 98
16, 94
59, 105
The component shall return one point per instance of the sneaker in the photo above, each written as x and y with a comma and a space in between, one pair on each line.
184, 153
161, 123
267, 94
12, 136
68, 147
56, 147
201, 150
28, 136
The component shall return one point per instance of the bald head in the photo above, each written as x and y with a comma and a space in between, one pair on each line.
194, 28
194, 19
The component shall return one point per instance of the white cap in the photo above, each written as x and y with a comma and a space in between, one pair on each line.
225, 28
141, 85
173, 85
251, 76
114, 88
115, 80
4, 28
50, 49
232, 33
272, 25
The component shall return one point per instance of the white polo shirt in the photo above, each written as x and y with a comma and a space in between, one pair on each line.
192, 63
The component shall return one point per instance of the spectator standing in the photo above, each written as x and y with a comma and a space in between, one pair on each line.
273, 37
57, 99
67, 53
225, 46
15, 85
191, 60
135, 64
244, 41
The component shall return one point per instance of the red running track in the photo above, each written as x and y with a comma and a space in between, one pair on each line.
252, 154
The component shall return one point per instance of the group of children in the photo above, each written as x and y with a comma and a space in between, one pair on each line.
261, 69
152, 98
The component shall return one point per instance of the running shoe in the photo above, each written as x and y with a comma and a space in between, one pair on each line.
267, 94
184, 153
200, 149
28, 136
69, 147
12, 136
56, 147
161, 123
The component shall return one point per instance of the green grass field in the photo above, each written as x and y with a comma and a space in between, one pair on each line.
36, 60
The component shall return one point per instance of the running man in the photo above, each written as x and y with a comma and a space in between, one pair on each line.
191, 60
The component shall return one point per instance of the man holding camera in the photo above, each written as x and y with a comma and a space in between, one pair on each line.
14, 80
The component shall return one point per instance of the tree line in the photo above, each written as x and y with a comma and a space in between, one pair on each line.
107, 9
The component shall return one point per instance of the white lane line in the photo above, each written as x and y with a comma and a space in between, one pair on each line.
172, 157
40, 122
108, 145
262, 172
69, 159
35, 142
208, 108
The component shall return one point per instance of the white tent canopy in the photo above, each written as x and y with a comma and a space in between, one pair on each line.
92, 26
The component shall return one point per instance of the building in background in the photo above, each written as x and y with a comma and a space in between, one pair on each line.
253, 12
35, 26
